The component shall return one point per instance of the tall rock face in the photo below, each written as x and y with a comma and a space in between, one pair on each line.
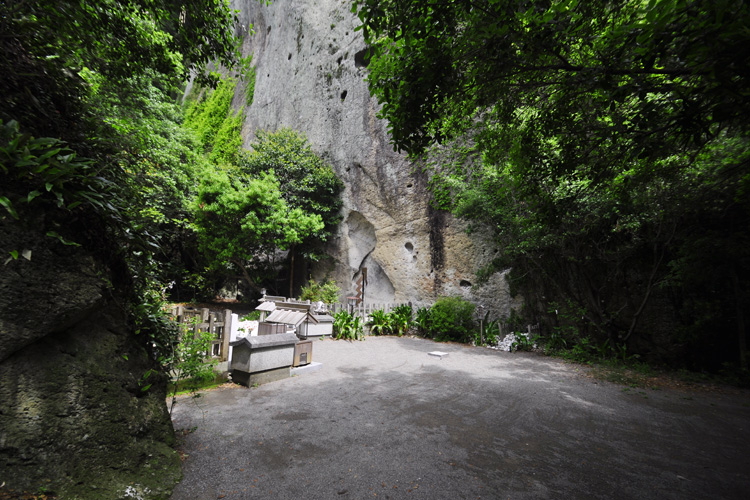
310, 67
74, 420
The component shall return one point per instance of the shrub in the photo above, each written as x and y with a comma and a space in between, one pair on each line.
326, 292
347, 326
491, 332
193, 365
251, 316
451, 318
396, 322
379, 322
217, 128
422, 320
400, 319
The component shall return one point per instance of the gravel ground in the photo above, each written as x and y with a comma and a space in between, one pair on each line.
383, 419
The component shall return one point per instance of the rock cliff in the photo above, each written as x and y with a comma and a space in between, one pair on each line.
74, 420
310, 67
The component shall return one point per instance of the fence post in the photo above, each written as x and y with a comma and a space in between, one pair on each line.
226, 333
211, 328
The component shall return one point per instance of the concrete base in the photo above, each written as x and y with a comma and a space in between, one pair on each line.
316, 337
309, 368
260, 378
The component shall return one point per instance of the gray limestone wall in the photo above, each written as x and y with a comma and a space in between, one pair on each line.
310, 77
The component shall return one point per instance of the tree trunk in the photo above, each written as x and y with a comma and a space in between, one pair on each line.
741, 336
291, 272
658, 258
246, 276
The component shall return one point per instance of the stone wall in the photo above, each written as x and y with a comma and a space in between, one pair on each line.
310, 71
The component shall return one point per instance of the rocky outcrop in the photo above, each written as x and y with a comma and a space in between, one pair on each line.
74, 418
310, 68
35, 302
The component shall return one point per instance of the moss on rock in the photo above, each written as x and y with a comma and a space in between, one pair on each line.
74, 420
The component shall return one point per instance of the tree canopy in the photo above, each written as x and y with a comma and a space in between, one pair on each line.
659, 70
243, 221
278, 196
93, 148
604, 143
307, 181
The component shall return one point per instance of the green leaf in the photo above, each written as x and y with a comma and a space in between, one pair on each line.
64, 241
9, 206
33, 194
48, 154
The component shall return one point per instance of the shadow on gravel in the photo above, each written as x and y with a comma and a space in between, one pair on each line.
384, 419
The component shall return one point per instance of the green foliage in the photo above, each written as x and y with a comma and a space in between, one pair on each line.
227, 142
111, 167
379, 322
150, 316
45, 43
400, 319
606, 145
567, 328
451, 319
488, 332
251, 316
250, 86
242, 222
192, 363
422, 320
307, 181
152, 158
217, 128
396, 322
326, 292
523, 342
429, 63
491, 331
307, 185
347, 326
45, 172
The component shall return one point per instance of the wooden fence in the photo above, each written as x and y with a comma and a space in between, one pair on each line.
219, 323
504, 329
364, 309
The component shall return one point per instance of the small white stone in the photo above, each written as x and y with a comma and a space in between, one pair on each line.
438, 354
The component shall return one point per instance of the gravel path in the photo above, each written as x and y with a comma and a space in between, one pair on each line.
383, 419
